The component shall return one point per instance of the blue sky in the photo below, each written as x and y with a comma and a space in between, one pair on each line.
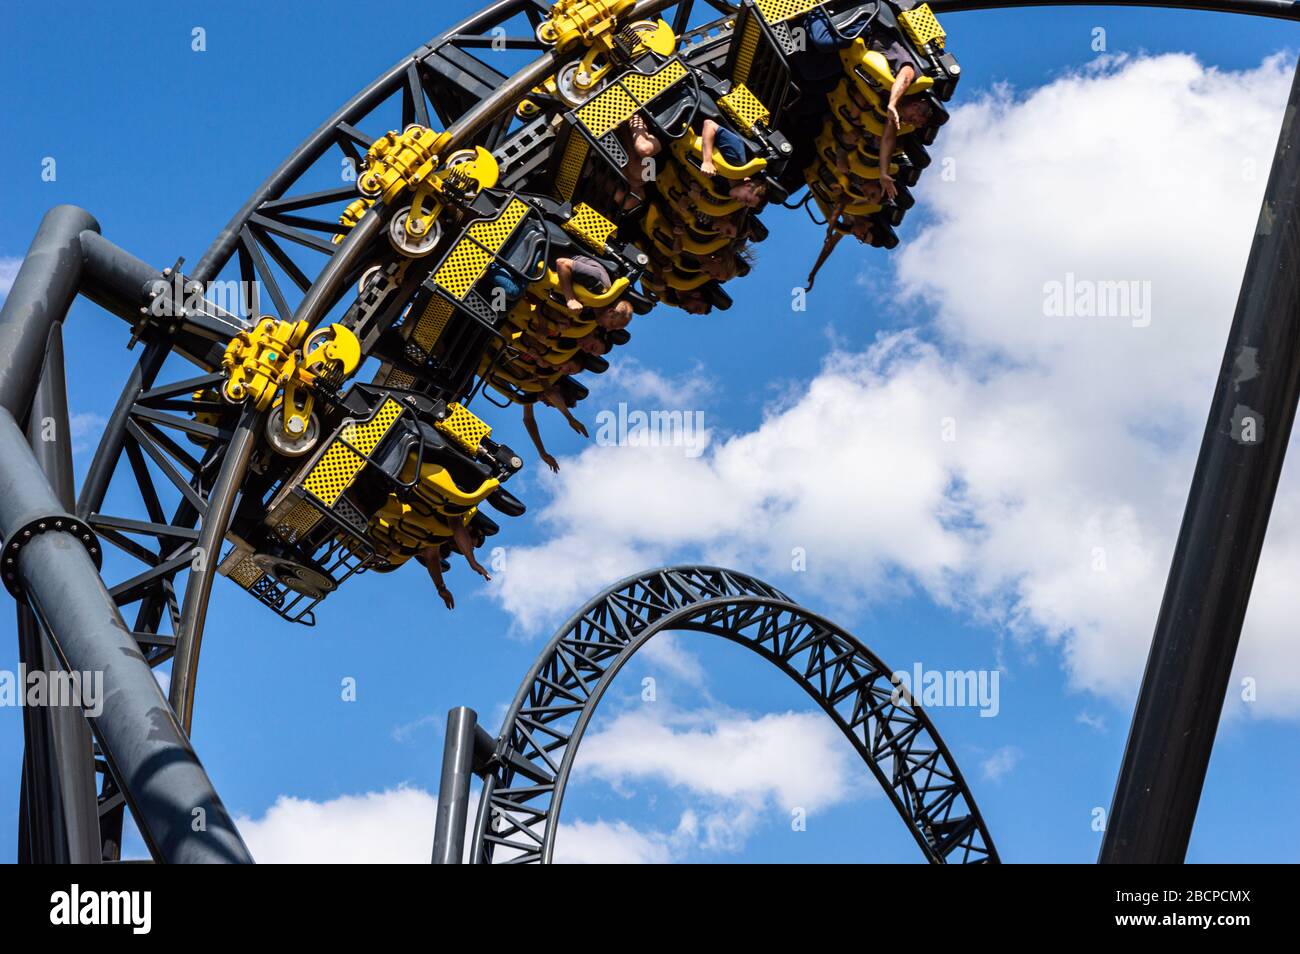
162, 144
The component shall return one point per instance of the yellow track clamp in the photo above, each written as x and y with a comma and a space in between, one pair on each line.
399, 160
257, 362
582, 21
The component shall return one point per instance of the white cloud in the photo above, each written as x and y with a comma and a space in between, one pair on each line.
998, 765
1053, 513
406, 730
735, 771
8, 272
737, 766
1091, 721
396, 827
609, 843
389, 827
87, 428
665, 653
629, 380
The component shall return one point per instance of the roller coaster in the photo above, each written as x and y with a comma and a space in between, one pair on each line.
492, 250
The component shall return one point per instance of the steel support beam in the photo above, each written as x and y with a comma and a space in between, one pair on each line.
1222, 534
171, 797
59, 757
41, 294
453, 788
164, 784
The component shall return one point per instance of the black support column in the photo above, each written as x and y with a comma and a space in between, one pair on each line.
1223, 530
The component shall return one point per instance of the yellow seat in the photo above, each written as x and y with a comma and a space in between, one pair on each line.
826, 200
590, 299
676, 280
529, 385
557, 312
871, 75
438, 482
659, 227
869, 68
672, 185
867, 121
828, 148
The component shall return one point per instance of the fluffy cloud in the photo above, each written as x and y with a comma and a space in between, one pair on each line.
390, 827
606, 843
792, 759
1000, 763
396, 827
1026, 467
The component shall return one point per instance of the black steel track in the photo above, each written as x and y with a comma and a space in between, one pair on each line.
520, 807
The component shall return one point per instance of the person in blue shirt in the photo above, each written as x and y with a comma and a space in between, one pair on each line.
750, 192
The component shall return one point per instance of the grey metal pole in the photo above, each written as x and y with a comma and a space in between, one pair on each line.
170, 795
73, 808
175, 806
41, 295
41, 808
1190, 663
453, 789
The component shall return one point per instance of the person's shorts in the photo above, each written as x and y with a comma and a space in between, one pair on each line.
590, 274
731, 146
500, 277
896, 56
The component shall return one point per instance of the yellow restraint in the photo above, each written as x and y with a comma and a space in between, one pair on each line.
708, 203
689, 151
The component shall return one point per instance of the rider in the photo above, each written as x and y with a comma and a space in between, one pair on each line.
554, 396
750, 192
466, 540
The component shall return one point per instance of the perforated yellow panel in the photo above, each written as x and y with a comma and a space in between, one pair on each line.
778, 11
431, 324
333, 473
295, 518
493, 234
923, 27
246, 573
464, 266
464, 428
590, 227
645, 88
467, 262
339, 465
745, 109
575, 157
745, 55
365, 437
607, 111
